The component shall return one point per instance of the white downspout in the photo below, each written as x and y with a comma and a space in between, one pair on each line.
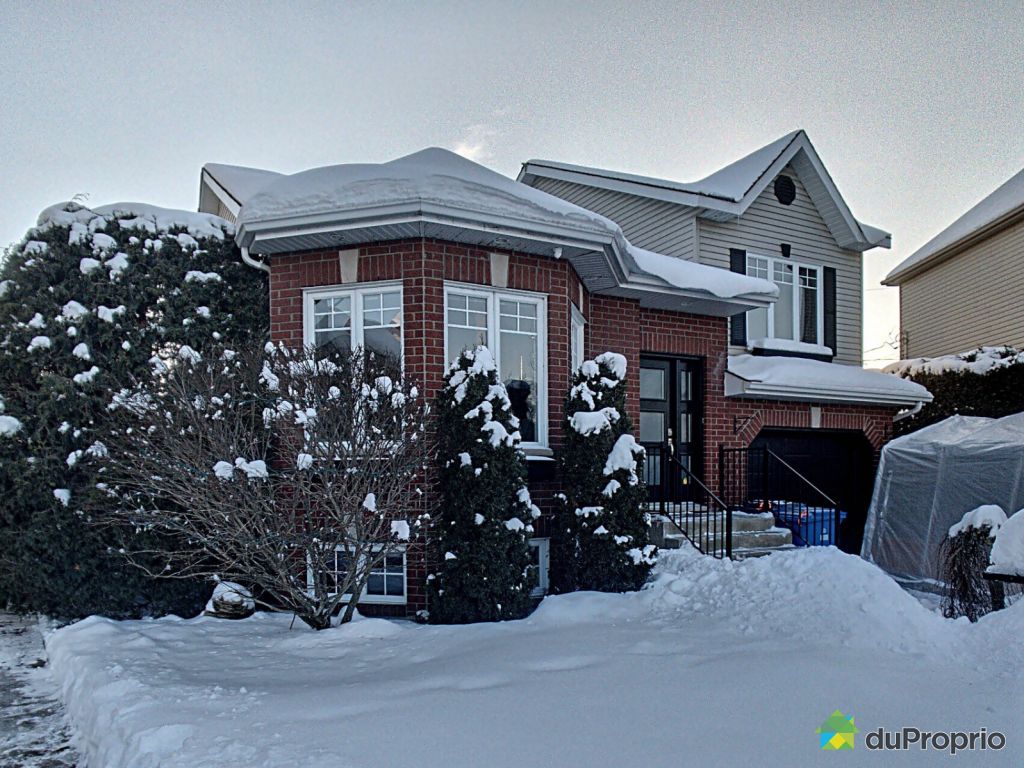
254, 262
907, 414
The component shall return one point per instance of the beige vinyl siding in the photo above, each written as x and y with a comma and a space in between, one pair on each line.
767, 224
974, 299
652, 224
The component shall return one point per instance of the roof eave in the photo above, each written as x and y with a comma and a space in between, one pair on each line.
899, 276
621, 271
739, 387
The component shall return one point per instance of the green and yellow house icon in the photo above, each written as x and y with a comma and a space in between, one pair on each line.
837, 732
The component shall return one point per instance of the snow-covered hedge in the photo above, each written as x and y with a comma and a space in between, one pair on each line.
483, 523
988, 381
600, 534
86, 300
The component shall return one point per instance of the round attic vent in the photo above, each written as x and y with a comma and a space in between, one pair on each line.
785, 190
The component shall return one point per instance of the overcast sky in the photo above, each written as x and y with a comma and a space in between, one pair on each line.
916, 109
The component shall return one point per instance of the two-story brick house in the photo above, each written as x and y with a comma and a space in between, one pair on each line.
431, 253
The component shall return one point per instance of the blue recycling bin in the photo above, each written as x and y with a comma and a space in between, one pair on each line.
811, 526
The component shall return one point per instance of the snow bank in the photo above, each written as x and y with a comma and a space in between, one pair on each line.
706, 639
981, 360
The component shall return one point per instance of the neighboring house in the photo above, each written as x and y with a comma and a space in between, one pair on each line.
962, 289
431, 252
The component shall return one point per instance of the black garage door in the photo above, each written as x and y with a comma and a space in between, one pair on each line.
839, 463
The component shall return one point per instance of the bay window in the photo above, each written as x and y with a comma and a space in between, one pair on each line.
369, 317
797, 314
513, 326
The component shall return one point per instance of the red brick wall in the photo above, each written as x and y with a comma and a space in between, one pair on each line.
615, 324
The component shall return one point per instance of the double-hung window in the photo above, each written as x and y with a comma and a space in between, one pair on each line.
387, 581
513, 325
369, 317
798, 313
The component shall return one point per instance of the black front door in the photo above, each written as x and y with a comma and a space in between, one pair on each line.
670, 421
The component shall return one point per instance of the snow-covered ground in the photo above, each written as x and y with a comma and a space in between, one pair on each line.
715, 663
33, 730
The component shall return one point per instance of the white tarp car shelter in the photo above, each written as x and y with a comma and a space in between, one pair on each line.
928, 479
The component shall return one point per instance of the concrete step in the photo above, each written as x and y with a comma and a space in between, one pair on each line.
745, 552
745, 521
773, 538
751, 533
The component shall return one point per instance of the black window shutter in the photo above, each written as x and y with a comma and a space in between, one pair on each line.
830, 308
738, 323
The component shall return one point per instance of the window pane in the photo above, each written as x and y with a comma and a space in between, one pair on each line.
784, 312
809, 315
476, 304
394, 563
757, 324
518, 367
395, 586
464, 338
685, 383
757, 266
457, 301
340, 341
652, 427
684, 428
652, 384
375, 584
383, 341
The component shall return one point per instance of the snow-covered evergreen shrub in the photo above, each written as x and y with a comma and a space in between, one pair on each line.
86, 300
965, 556
600, 534
483, 525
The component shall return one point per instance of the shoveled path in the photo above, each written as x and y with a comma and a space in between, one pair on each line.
33, 730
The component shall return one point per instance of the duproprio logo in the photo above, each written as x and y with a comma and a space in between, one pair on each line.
837, 732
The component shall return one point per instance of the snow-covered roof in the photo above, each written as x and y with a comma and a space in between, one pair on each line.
437, 193
980, 360
230, 185
985, 217
729, 191
786, 378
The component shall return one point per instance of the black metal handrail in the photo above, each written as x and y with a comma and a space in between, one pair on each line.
759, 480
699, 514
795, 471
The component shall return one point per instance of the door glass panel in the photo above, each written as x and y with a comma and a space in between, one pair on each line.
652, 427
652, 384
685, 381
684, 427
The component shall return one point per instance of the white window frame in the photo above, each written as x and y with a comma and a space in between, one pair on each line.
494, 297
797, 266
577, 337
367, 598
543, 547
356, 294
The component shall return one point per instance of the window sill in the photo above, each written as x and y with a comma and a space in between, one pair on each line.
539, 453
